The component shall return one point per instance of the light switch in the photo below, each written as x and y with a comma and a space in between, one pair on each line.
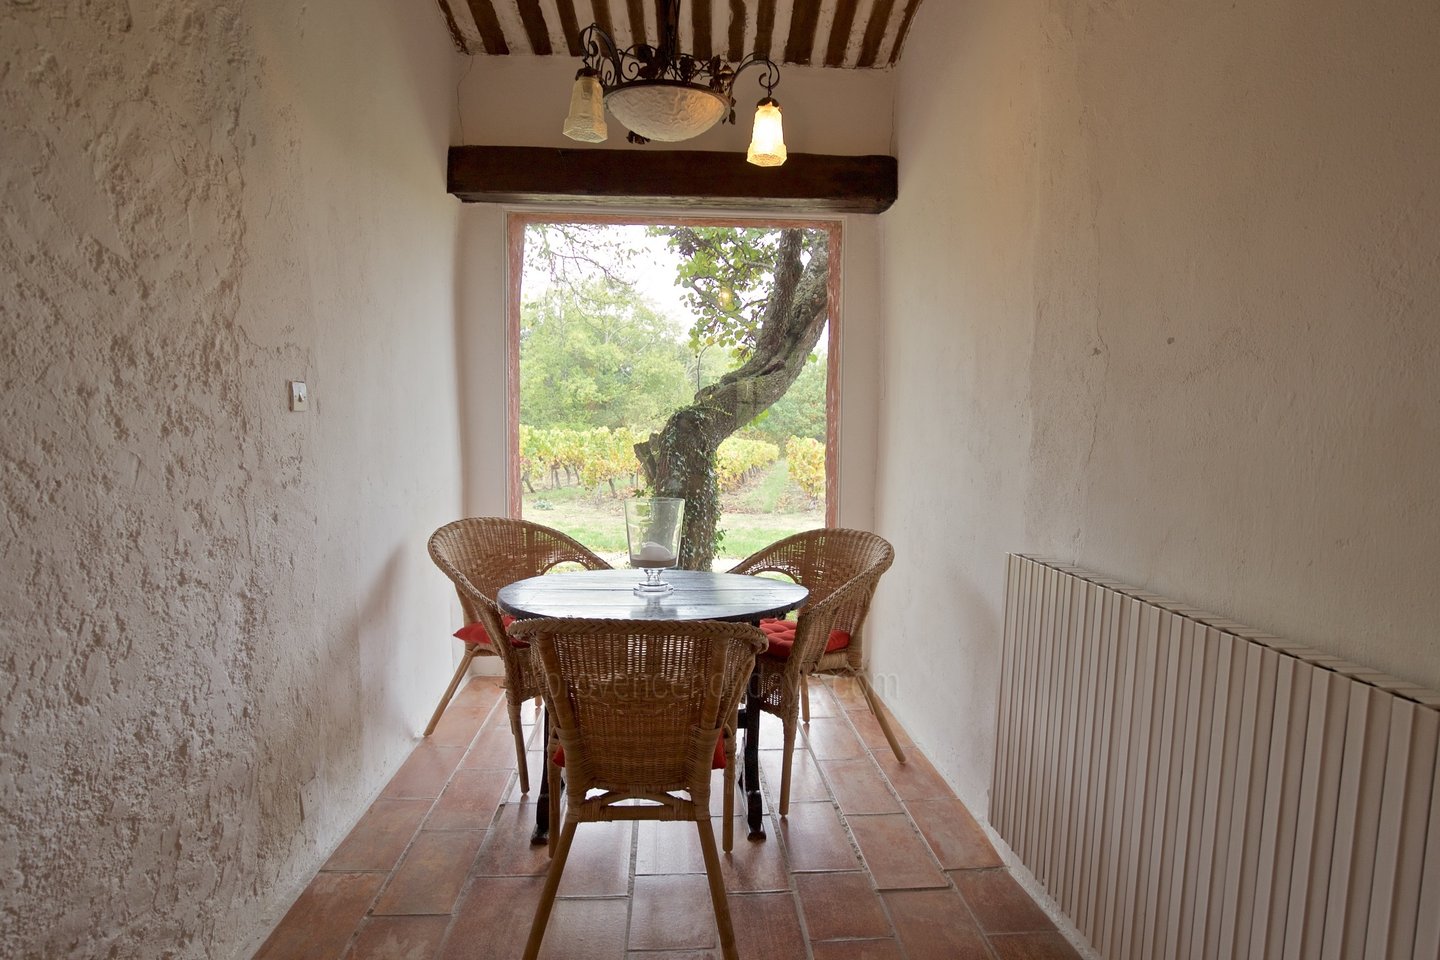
299, 396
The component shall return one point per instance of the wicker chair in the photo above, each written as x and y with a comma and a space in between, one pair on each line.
637, 706
841, 568
480, 555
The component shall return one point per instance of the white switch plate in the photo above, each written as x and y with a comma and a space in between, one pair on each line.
299, 396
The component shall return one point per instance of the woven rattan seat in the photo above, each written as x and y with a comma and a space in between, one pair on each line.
637, 706
480, 555
841, 568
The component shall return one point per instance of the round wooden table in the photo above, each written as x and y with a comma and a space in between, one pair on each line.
608, 594
697, 595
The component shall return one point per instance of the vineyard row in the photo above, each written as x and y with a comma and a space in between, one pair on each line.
558, 457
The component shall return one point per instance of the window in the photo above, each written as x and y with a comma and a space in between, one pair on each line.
673, 336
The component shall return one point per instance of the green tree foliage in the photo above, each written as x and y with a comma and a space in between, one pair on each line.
759, 299
801, 412
726, 273
597, 356
763, 295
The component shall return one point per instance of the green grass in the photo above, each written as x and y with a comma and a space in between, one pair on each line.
764, 495
560, 497
747, 532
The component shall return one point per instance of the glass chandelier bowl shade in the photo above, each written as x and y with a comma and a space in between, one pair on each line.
661, 93
667, 110
767, 139
586, 120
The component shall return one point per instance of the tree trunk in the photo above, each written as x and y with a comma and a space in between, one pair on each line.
679, 460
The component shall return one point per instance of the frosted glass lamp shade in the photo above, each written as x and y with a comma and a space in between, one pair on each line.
666, 110
767, 141
586, 120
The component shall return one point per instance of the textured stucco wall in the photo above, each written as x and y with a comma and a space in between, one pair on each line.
220, 631
1160, 298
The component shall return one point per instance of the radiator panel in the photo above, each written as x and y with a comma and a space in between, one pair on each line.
1186, 787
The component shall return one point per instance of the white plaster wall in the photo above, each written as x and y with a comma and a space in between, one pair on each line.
1160, 298
522, 101
481, 299
220, 630
859, 400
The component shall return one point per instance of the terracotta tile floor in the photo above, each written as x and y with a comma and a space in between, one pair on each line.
876, 861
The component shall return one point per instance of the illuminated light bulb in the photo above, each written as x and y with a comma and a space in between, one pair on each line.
767, 141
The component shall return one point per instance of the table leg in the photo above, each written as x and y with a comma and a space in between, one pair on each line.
754, 815
541, 834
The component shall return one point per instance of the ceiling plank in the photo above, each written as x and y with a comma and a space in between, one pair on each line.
535, 29
735, 42
840, 32
803, 21
550, 10
810, 183
489, 26
602, 17
845, 34
874, 33
508, 13
700, 29
904, 29
570, 26
465, 24
765, 29
455, 35
636, 10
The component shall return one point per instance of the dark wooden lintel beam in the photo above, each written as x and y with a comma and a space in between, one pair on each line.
806, 183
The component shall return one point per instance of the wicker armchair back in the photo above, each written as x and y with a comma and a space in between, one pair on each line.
480, 555
637, 707
841, 568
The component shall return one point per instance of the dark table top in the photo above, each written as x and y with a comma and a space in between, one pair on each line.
608, 594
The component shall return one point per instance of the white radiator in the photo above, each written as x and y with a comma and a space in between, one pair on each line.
1188, 788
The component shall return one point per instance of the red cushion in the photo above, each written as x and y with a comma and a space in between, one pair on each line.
474, 634
781, 634
716, 763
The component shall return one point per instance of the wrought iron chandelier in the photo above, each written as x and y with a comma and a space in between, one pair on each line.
659, 93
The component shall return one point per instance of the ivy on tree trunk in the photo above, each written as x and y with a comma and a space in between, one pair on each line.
679, 459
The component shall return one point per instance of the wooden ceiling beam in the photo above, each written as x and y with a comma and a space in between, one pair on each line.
569, 25
636, 10
840, 29
736, 47
489, 26
807, 183
700, 29
456, 35
602, 17
804, 21
904, 29
874, 33
833, 33
536, 29
764, 30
